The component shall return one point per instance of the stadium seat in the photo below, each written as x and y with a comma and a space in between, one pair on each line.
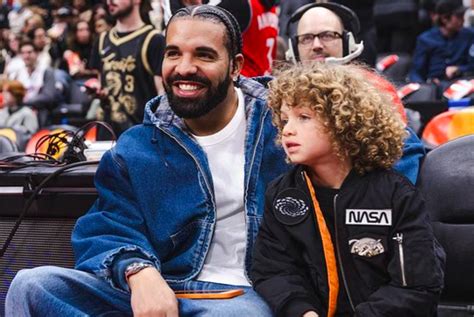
7, 145
18, 137
446, 181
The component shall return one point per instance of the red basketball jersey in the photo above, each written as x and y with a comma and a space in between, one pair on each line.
260, 41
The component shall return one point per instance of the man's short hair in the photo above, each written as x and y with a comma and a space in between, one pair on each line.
233, 36
449, 7
25, 42
31, 33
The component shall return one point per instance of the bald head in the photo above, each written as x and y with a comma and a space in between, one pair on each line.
315, 21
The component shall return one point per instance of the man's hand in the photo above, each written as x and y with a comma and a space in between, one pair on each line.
451, 71
151, 295
310, 314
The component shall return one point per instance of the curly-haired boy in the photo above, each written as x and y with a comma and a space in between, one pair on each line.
343, 234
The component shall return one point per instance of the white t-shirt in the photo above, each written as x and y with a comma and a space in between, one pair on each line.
225, 260
33, 82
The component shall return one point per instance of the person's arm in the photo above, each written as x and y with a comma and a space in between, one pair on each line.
112, 237
413, 154
30, 122
94, 62
416, 264
155, 54
151, 295
113, 234
419, 64
277, 272
468, 67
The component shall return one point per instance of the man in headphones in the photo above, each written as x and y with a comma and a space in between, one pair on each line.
326, 33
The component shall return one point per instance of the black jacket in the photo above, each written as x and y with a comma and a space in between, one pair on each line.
380, 213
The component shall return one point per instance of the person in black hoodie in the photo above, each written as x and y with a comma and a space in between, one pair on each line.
343, 234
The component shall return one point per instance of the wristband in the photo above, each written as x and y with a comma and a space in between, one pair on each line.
134, 268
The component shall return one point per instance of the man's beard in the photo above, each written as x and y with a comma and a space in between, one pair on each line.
191, 108
122, 13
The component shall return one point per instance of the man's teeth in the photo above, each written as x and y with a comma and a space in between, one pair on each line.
188, 87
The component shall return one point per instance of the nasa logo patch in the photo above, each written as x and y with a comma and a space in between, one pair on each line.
291, 206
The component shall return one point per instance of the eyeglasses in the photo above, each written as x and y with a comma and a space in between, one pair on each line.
325, 37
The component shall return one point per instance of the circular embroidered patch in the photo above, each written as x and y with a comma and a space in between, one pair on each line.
291, 206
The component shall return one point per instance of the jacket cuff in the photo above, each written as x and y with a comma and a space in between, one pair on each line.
297, 307
117, 262
119, 270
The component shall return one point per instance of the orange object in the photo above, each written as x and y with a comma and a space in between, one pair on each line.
449, 125
91, 134
62, 134
74, 61
329, 254
210, 294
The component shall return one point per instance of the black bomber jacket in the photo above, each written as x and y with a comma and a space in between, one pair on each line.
388, 260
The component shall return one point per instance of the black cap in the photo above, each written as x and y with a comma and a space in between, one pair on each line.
450, 7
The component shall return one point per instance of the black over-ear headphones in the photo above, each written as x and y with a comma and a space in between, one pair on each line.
350, 22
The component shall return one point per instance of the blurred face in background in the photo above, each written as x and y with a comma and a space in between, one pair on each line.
29, 55
453, 23
83, 34
101, 25
79, 4
33, 22
99, 13
13, 42
40, 38
8, 99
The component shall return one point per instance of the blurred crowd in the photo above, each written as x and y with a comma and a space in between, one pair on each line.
46, 49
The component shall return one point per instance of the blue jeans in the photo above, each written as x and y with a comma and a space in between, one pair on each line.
55, 291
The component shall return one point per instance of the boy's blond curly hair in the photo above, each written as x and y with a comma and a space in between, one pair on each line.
360, 119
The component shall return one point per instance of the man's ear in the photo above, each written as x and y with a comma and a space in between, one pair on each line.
237, 65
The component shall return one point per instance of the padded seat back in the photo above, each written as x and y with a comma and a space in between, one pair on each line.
447, 183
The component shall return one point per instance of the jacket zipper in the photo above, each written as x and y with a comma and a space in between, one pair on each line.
339, 258
399, 238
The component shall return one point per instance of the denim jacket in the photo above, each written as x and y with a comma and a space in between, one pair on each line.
156, 201
156, 198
